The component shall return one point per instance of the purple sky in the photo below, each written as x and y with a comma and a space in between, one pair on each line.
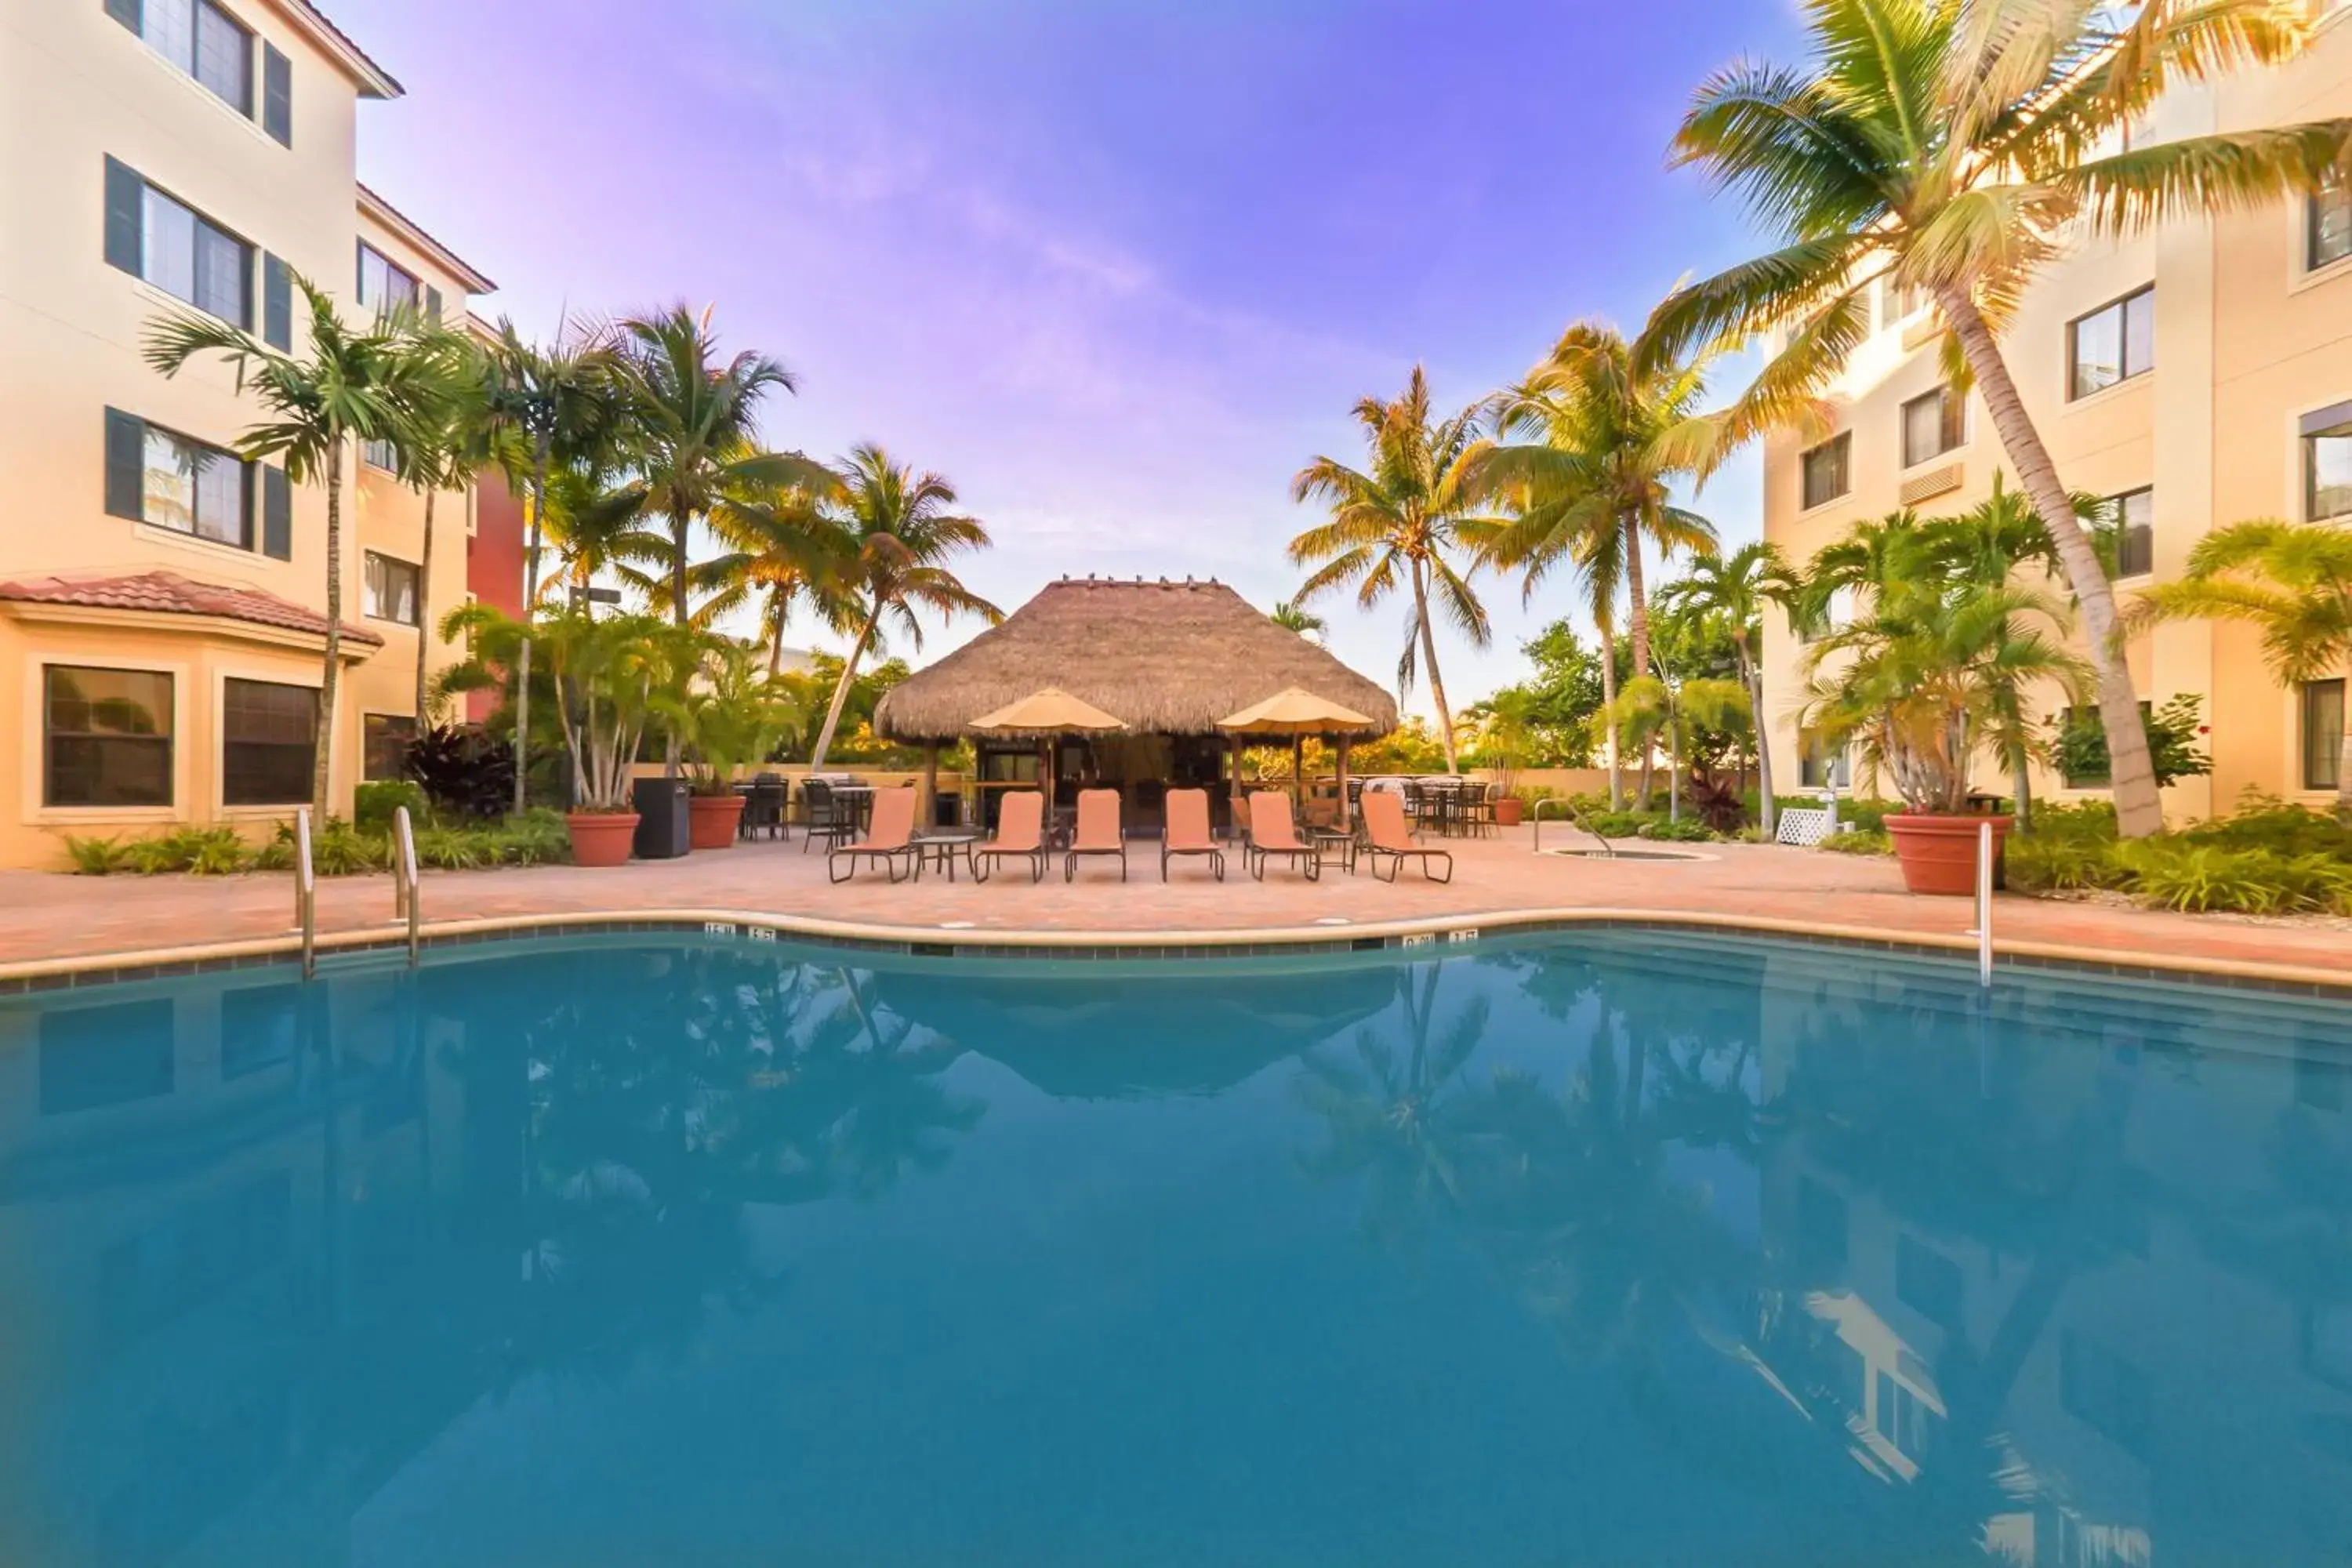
1116, 268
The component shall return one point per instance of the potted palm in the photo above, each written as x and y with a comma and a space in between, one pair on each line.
1507, 733
731, 715
1922, 683
608, 675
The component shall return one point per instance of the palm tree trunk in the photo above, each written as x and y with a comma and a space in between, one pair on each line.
2021, 773
776, 636
2139, 809
841, 689
322, 751
423, 611
677, 526
530, 606
1436, 680
1609, 717
1766, 810
1638, 629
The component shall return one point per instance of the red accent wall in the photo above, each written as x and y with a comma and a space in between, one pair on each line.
494, 562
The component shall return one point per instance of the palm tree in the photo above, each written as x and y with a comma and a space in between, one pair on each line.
2293, 582
1291, 617
595, 537
376, 383
557, 403
780, 550
1952, 146
451, 444
695, 430
1738, 588
1589, 448
899, 531
1404, 520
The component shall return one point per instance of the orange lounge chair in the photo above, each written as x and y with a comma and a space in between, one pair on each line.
1386, 834
1188, 831
1272, 832
889, 838
1097, 832
1020, 836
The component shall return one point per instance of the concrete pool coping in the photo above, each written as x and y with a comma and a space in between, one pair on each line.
957, 941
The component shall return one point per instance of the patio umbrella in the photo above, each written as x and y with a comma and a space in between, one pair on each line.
1045, 714
1298, 713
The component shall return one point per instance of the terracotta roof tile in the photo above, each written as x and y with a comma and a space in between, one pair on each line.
169, 594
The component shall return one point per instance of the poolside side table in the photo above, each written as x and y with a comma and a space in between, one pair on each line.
1325, 840
940, 848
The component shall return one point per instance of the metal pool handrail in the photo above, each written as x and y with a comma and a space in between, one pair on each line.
404, 881
306, 893
1608, 850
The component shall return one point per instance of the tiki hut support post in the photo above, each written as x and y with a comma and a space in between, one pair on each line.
1298, 772
927, 809
1344, 821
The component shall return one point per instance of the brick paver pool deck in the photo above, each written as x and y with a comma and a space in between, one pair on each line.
48, 920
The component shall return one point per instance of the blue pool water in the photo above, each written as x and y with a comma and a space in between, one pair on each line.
1612, 1249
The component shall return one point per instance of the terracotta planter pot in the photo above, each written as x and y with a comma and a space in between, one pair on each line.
1938, 854
1511, 811
601, 837
712, 819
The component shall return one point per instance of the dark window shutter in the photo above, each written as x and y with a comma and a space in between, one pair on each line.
130, 12
126, 465
278, 95
126, 200
277, 515
433, 305
277, 305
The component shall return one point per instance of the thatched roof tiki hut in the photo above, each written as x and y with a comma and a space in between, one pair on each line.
1169, 658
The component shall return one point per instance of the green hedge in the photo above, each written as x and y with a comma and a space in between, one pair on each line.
2267, 857
338, 848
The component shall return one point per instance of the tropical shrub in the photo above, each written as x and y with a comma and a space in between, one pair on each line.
2270, 857
1689, 830
198, 851
98, 856
2079, 749
1859, 842
376, 803
1715, 800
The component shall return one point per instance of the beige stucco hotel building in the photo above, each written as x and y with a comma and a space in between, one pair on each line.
2196, 376
162, 605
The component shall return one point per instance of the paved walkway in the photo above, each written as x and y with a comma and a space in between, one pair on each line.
51, 917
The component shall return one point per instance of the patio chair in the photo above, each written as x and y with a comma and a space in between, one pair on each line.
890, 840
1020, 836
1387, 837
831, 819
1188, 831
1272, 832
1478, 808
1097, 832
763, 807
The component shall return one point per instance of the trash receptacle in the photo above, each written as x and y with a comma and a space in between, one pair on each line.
663, 818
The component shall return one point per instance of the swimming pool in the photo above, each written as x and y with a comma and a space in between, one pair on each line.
1603, 1248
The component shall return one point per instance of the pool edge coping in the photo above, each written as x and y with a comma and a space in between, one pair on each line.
934, 941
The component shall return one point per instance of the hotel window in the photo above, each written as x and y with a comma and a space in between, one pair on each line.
1933, 426
385, 284
2328, 225
2133, 517
2323, 734
384, 454
2327, 435
390, 589
1825, 470
190, 488
199, 38
386, 737
2112, 344
269, 737
1901, 303
106, 736
161, 238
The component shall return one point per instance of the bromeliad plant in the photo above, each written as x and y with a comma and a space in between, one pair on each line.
1925, 676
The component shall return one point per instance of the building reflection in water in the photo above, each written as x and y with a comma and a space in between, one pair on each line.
2063, 1280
